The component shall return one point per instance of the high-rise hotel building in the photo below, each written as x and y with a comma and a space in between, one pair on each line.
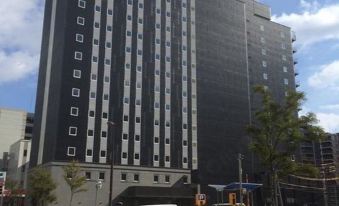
163, 84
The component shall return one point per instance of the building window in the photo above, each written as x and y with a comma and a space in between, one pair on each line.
263, 51
125, 136
108, 45
106, 97
25, 153
81, 20
184, 160
78, 55
124, 155
262, 28
110, 12
265, 76
137, 138
89, 152
185, 179
264, 63
104, 134
102, 153
137, 119
167, 141
77, 74
285, 69
97, 8
156, 105
91, 113
129, 17
88, 175
123, 177
262, 40
284, 57
90, 133
286, 81
82, 4
126, 100
167, 159
184, 143
96, 42
156, 158
167, 107
93, 77
138, 102
168, 124
136, 156
141, 5
156, 179
109, 28
95, 59
101, 176
156, 122
167, 179
156, 140
79, 38
128, 49
140, 36
136, 178
128, 33
140, 21
75, 92
97, 25
72, 131
105, 115
71, 151
283, 46
106, 79
74, 111
108, 62
92, 95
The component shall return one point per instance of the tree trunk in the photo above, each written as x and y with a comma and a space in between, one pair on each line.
70, 202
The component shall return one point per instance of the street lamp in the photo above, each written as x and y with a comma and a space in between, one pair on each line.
111, 126
98, 186
240, 158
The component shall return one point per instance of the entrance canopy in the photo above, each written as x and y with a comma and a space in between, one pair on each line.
236, 186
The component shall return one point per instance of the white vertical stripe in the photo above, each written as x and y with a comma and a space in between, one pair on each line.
93, 85
194, 90
157, 81
127, 78
184, 29
47, 84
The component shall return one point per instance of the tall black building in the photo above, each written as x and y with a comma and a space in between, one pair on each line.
175, 77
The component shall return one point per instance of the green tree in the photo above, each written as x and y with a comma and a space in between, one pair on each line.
74, 179
41, 185
14, 189
276, 134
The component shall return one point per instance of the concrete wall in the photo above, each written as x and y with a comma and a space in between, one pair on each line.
88, 198
12, 127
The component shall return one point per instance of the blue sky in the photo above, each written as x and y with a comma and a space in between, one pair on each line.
316, 24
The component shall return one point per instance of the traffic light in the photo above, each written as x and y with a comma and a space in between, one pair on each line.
232, 198
200, 199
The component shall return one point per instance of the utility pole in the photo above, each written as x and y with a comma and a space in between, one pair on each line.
240, 157
111, 127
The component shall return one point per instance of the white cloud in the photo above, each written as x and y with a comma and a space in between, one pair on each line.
327, 77
314, 24
329, 121
20, 38
330, 107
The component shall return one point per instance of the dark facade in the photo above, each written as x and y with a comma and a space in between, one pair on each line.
174, 76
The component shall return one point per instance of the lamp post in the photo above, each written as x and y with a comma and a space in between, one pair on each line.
98, 186
111, 126
240, 157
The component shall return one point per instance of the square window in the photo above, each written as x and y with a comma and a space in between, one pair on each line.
140, 36
128, 49
141, 5
156, 178
126, 100
167, 107
156, 158
74, 111
25, 153
101, 175
284, 57
106, 79
108, 45
156, 122
140, 20
156, 140
137, 119
92, 95
77, 74
129, 17
106, 97
78, 55
184, 160
264, 63
82, 4
95, 59
263, 51
168, 124
104, 134
90, 133
167, 179
265, 76
184, 126
110, 12
75, 92
105, 115
89, 152
79, 38
96, 42
125, 136
123, 177
108, 62
102, 153
185, 179
129, 33
262, 40
81, 20
130, 2
127, 66
137, 138
138, 102
91, 113
97, 8
73, 131
286, 81
167, 159
184, 142
109, 28
136, 156
136, 178
88, 175
167, 141
93, 77
71, 151
125, 118
285, 69
124, 155
97, 25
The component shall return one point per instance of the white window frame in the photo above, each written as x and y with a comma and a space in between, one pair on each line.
75, 55
284, 58
75, 89
264, 63
82, 2
286, 81
68, 151
79, 38
285, 69
69, 131
263, 52
265, 76
80, 20
75, 75
76, 113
